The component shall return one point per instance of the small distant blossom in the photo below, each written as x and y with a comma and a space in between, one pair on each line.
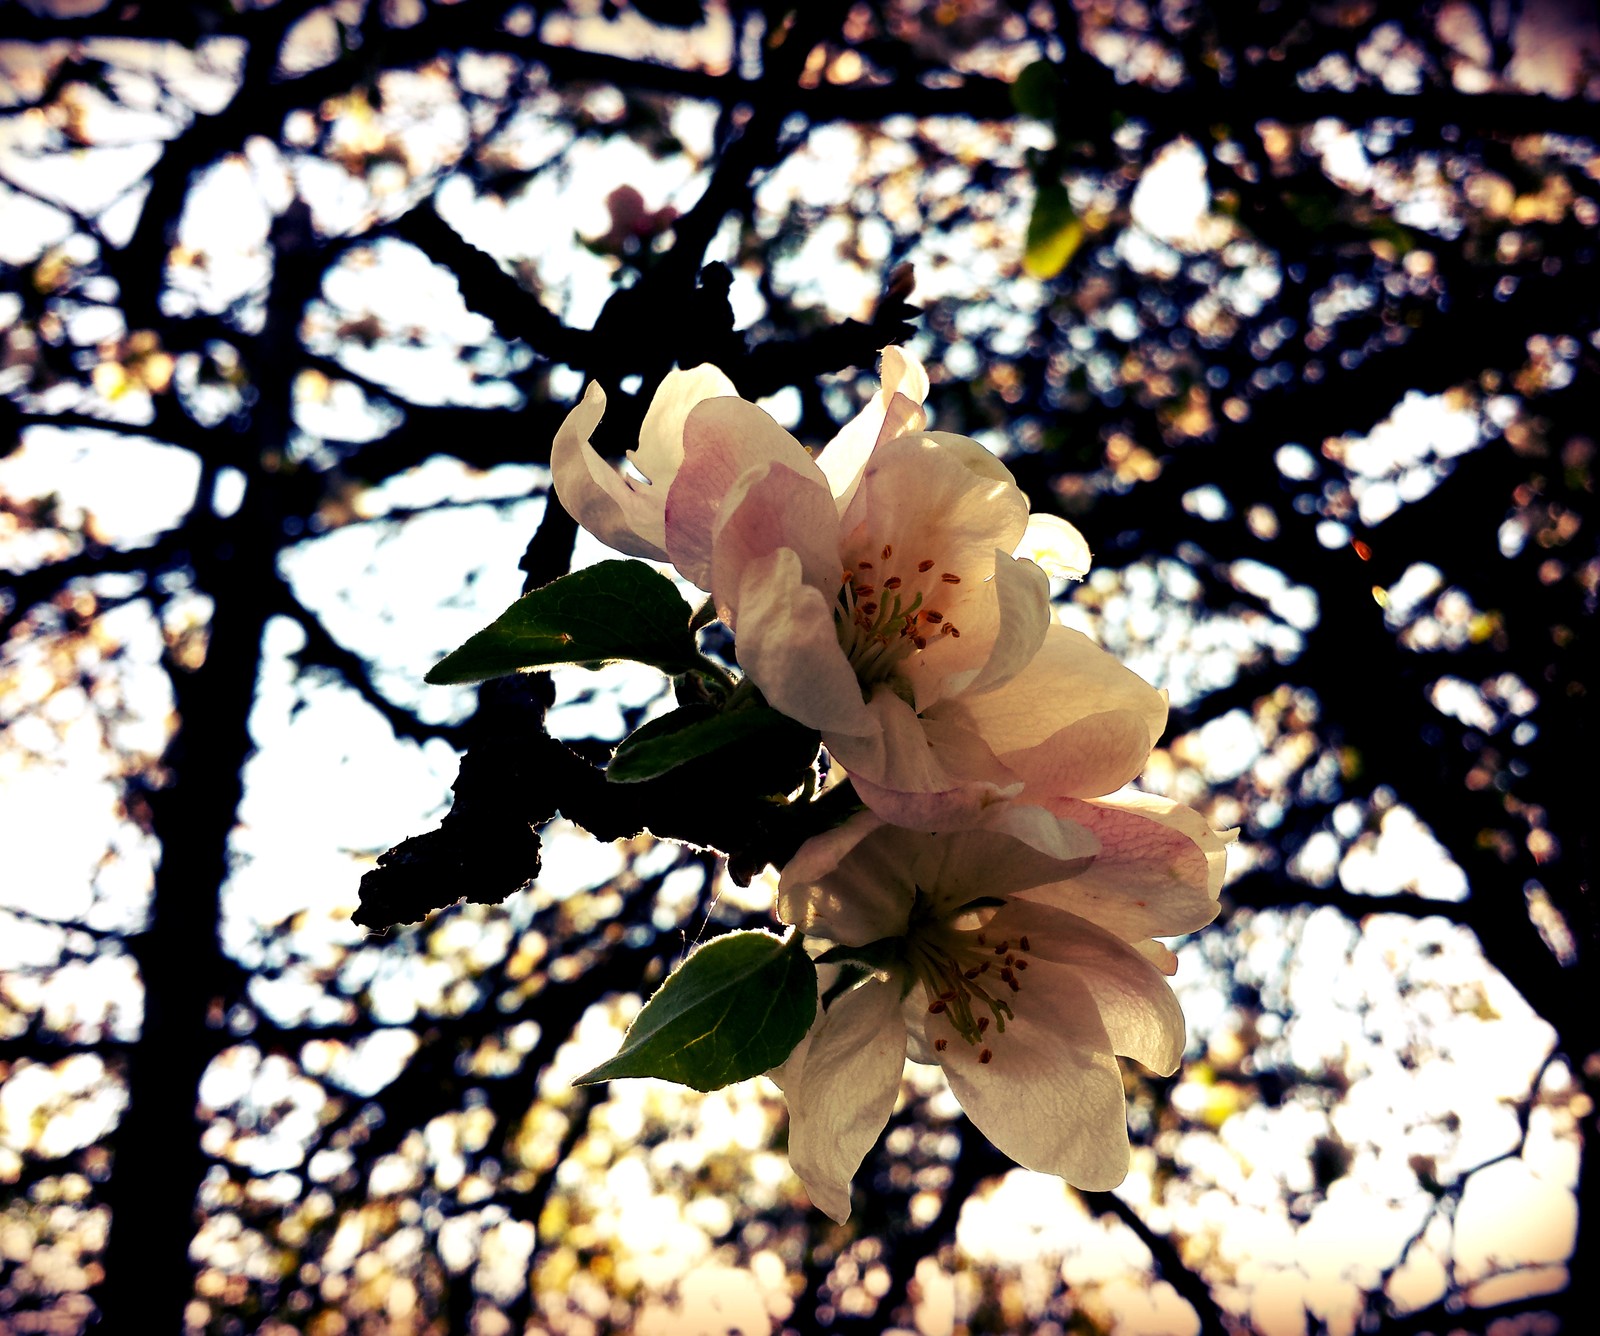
884, 593
1017, 954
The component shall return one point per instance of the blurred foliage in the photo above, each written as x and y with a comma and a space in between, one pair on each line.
1291, 308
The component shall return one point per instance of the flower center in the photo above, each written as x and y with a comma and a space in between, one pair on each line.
970, 977
882, 615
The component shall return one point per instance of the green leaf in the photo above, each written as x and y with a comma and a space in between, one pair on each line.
769, 750
1054, 232
1033, 92
609, 611
734, 1009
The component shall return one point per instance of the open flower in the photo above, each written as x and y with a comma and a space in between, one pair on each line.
892, 593
1016, 954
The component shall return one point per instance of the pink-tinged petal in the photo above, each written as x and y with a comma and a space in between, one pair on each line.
1050, 1095
619, 512
1141, 1016
849, 884
1055, 546
1152, 876
660, 452
1213, 844
921, 496
1086, 759
842, 1097
770, 507
930, 811
787, 646
1069, 679
723, 439
1022, 621
894, 411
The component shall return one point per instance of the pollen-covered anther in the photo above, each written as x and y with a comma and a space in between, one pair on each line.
926, 564
986, 1057
939, 1045
893, 582
887, 552
932, 616
949, 629
950, 578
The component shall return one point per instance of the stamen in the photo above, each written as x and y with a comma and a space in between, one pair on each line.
983, 1024
932, 616
935, 1007
950, 579
893, 582
986, 1056
926, 564
939, 1045
1022, 964
887, 552
864, 565
870, 606
1023, 941
919, 642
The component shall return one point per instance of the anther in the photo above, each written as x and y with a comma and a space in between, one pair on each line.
982, 940
983, 1024
1023, 942
864, 565
934, 617
986, 1056
887, 551
919, 642
863, 589
893, 582
949, 629
950, 579
934, 1008
973, 973
926, 565
871, 607
1002, 948
1022, 964
939, 1045
1013, 985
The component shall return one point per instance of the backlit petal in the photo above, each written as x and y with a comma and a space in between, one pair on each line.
788, 647
1069, 679
1088, 758
894, 411
722, 440
770, 507
1141, 1016
660, 452
620, 512
1153, 873
1056, 546
842, 1097
1050, 1095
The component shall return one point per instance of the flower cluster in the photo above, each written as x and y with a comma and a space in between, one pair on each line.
994, 908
